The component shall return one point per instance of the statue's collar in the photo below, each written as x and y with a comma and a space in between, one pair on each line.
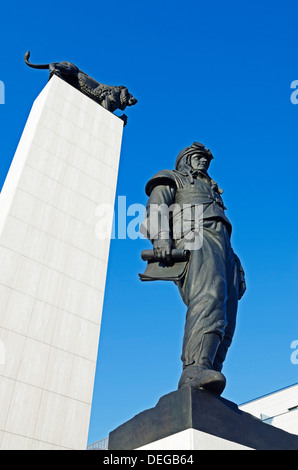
201, 174
205, 177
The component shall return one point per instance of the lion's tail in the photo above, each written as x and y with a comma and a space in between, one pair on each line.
38, 66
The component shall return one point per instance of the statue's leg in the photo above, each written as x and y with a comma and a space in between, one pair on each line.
53, 70
106, 103
202, 373
231, 311
204, 290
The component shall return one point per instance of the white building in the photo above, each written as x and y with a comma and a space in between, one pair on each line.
280, 408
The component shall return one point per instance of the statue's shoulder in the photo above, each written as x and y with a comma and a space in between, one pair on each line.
163, 177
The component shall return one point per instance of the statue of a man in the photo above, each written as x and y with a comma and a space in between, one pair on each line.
213, 279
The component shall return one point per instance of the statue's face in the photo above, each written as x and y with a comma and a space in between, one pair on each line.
199, 162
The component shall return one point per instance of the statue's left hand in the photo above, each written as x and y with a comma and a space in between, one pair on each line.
241, 277
242, 288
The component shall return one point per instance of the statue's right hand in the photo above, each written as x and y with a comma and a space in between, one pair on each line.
162, 249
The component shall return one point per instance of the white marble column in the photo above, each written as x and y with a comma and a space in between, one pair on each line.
53, 268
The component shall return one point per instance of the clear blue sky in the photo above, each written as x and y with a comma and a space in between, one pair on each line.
214, 72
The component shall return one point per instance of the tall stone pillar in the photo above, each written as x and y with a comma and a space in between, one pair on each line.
53, 268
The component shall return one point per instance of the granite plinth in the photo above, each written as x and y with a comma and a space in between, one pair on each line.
190, 408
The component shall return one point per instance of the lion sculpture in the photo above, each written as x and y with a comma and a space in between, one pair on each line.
109, 97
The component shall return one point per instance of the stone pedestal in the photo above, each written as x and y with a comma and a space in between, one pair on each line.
53, 268
192, 419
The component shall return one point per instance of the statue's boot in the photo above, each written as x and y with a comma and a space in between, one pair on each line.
202, 373
220, 356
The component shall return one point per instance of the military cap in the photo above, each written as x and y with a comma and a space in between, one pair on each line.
196, 147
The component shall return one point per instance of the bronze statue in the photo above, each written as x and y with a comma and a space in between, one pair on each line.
207, 272
109, 97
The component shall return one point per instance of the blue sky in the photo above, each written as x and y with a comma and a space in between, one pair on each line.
214, 72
